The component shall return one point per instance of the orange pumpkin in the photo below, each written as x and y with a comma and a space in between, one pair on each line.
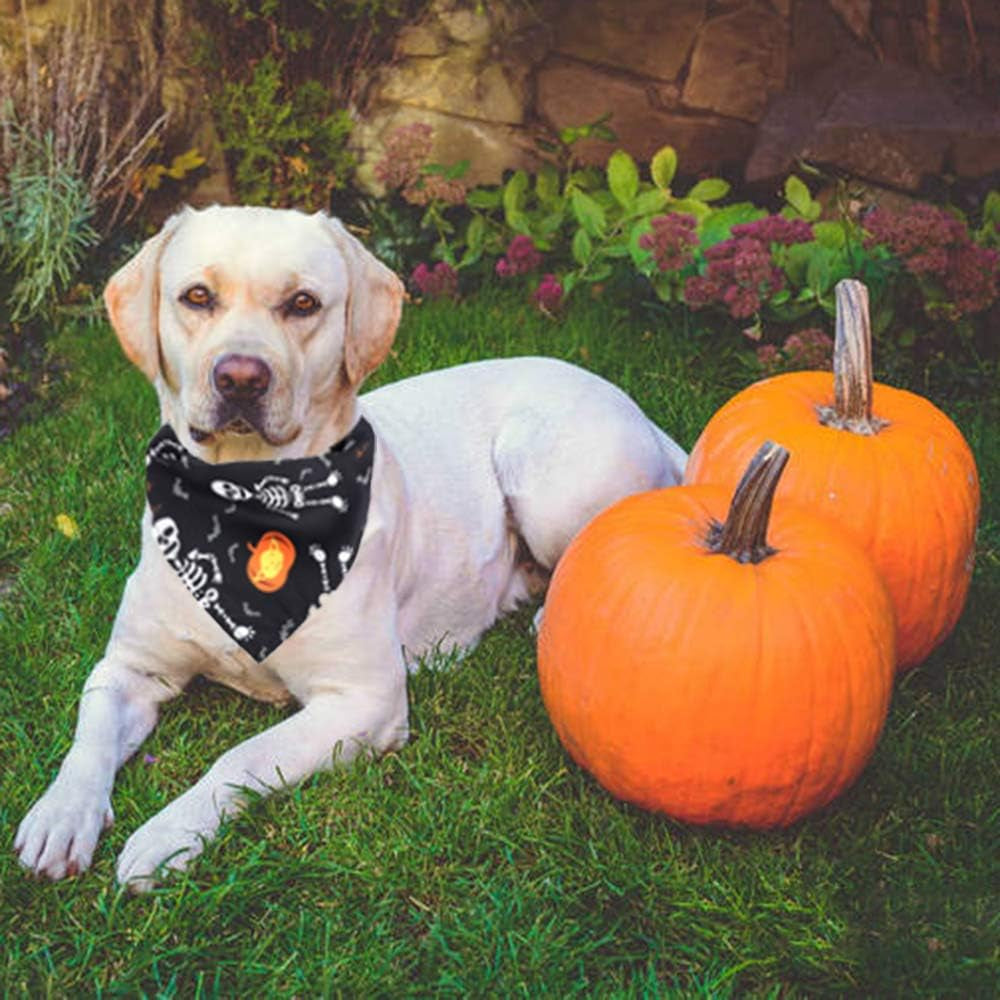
721, 669
886, 463
270, 561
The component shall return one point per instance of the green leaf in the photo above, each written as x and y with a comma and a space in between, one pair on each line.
485, 198
664, 285
520, 222
549, 225
513, 195
623, 178
469, 258
663, 167
547, 184
582, 247
795, 261
184, 163
830, 234
883, 316
818, 275
475, 234
691, 206
719, 225
650, 202
588, 213
600, 273
615, 250
991, 209
643, 259
797, 195
709, 189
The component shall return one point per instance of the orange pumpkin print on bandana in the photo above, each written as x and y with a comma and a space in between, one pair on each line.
272, 558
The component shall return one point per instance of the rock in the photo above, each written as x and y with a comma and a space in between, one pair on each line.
886, 123
490, 147
463, 24
421, 40
645, 37
573, 94
740, 58
819, 39
462, 83
856, 14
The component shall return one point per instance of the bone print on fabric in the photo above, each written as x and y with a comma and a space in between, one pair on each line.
257, 544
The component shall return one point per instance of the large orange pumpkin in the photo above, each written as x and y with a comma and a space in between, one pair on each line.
721, 669
886, 463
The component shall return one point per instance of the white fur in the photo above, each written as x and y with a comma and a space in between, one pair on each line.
472, 464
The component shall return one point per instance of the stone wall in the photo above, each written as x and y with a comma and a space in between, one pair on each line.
741, 86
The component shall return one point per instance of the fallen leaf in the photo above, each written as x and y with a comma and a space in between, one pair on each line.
67, 526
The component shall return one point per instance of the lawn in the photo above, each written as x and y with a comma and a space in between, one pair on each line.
479, 860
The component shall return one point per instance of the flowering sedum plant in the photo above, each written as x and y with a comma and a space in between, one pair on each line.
772, 273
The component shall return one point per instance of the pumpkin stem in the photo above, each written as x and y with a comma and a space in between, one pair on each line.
744, 535
852, 364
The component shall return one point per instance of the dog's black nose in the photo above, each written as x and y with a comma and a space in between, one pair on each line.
241, 377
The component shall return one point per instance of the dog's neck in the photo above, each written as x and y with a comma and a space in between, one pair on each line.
315, 437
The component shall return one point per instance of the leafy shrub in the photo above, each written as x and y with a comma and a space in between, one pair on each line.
46, 213
933, 275
280, 74
72, 142
101, 130
286, 146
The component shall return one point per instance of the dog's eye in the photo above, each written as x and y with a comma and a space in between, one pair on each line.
198, 297
301, 304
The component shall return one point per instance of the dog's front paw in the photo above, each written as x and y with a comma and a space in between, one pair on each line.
58, 835
167, 842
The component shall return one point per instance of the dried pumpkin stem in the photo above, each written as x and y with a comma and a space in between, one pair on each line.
852, 364
743, 537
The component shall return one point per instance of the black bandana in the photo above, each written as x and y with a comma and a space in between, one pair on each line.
258, 543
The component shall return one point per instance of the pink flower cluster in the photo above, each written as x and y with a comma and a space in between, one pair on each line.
434, 187
933, 243
406, 151
776, 229
811, 349
671, 241
741, 270
548, 295
522, 257
438, 282
401, 168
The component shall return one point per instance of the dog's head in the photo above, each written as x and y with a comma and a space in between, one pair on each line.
256, 326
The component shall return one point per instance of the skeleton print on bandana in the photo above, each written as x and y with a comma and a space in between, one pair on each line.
258, 544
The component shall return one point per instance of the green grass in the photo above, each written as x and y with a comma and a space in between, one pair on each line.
477, 861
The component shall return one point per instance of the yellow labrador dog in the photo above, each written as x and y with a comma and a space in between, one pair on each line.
474, 467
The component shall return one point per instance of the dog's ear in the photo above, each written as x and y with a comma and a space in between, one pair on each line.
374, 305
132, 298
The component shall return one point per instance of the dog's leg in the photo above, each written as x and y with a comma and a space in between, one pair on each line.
118, 708
330, 729
556, 476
